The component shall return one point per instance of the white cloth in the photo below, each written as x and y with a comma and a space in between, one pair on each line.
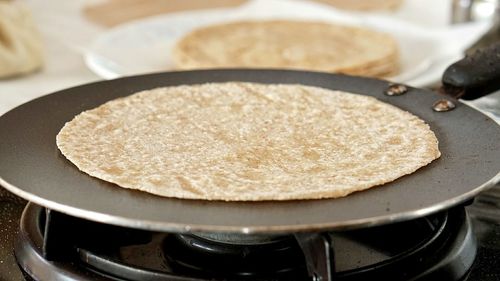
20, 46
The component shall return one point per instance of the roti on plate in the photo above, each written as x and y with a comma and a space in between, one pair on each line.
289, 44
240, 141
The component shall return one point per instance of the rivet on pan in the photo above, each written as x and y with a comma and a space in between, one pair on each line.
396, 90
443, 105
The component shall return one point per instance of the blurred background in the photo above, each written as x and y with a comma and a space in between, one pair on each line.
50, 45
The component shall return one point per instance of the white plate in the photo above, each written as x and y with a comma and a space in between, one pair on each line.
144, 46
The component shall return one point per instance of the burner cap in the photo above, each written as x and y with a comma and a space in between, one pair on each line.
234, 256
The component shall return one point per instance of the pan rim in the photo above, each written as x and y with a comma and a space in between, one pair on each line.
277, 229
157, 225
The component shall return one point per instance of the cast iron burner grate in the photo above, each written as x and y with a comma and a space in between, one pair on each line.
53, 246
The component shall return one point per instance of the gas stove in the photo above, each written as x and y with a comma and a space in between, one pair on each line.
462, 243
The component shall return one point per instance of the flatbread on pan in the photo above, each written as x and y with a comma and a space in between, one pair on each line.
289, 44
241, 141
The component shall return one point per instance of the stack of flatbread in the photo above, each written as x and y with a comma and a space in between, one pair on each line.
289, 44
247, 142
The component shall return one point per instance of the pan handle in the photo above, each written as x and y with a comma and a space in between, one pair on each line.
474, 76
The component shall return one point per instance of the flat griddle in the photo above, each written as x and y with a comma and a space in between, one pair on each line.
32, 167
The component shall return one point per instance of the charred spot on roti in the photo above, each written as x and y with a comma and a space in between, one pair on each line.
283, 142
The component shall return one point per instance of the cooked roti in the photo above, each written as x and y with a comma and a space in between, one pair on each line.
289, 44
241, 141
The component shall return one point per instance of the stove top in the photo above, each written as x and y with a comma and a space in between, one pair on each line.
351, 254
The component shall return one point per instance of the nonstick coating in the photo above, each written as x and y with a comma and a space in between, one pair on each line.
32, 167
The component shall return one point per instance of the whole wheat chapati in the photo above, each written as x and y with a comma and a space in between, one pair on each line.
289, 44
245, 142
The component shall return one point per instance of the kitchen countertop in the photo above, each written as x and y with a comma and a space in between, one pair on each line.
10, 212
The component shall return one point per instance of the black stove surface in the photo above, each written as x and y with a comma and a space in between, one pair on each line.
485, 213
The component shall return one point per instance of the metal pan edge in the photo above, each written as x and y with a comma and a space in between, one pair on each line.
312, 78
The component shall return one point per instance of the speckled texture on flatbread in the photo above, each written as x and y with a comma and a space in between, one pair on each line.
289, 44
240, 141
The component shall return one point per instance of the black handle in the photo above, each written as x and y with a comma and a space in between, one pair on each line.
474, 76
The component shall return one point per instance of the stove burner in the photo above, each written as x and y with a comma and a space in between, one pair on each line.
438, 247
232, 256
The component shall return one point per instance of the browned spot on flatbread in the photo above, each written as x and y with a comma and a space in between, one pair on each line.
311, 154
186, 185
113, 170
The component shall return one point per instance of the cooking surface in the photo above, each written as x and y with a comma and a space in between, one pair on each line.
59, 185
